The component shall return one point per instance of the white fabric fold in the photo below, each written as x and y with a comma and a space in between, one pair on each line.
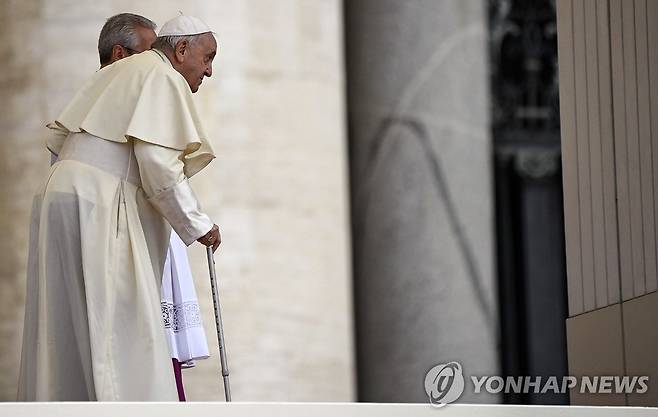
180, 307
181, 208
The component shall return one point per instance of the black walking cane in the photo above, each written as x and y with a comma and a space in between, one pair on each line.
218, 323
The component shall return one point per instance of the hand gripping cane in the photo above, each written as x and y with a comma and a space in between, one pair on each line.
218, 323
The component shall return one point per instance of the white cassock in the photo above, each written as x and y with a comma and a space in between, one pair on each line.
180, 307
100, 233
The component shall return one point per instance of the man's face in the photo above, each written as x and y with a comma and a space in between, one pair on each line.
195, 60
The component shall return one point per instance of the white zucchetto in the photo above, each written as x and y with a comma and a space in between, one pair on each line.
184, 26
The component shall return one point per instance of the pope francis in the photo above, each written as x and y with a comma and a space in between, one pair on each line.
127, 144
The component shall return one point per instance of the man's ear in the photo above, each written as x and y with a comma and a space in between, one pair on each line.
117, 53
181, 51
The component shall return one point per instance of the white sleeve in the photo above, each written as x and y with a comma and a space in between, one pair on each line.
55, 138
167, 188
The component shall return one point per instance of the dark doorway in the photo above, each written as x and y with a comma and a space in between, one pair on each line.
528, 193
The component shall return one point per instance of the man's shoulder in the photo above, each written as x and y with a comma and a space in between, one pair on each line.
147, 73
144, 62
159, 68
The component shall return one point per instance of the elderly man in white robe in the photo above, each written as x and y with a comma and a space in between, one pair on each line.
123, 35
100, 231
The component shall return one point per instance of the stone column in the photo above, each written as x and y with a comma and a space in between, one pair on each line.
274, 109
421, 182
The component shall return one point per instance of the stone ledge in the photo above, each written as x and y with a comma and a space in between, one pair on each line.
237, 409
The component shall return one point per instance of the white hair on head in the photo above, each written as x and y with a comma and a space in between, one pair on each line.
169, 43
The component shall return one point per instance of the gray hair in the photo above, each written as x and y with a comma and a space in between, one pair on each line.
168, 43
120, 30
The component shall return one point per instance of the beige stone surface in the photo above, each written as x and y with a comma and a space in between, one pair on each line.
278, 189
640, 345
595, 343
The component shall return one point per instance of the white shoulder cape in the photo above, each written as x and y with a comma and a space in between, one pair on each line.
145, 98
